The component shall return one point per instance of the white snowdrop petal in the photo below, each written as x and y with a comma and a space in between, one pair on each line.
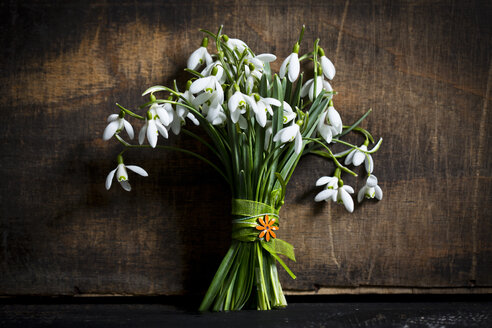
109, 179
201, 98
233, 102
110, 130
298, 143
323, 180
347, 200
348, 159
305, 88
152, 133
193, 118
326, 133
208, 58
113, 117
271, 101
379, 192
138, 170
129, 129
201, 84
361, 194
294, 67
194, 60
287, 107
348, 189
371, 181
327, 86
162, 130
121, 173
141, 135
328, 68
266, 58
126, 185
283, 67
334, 117
261, 117
324, 195
163, 115
176, 126
359, 157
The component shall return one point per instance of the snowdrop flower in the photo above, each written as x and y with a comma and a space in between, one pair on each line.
211, 97
208, 87
122, 175
308, 87
330, 123
262, 107
340, 194
290, 134
326, 65
200, 56
117, 123
237, 105
181, 113
291, 65
164, 113
331, 184
152, 128
235, 44
214, 113
370, 190
215, 69
289, 114
258, 64
357, 157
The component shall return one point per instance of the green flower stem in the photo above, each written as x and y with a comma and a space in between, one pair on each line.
337, 163
200, 139
315, 61
128, 145
193, 72
361, 150
129, 112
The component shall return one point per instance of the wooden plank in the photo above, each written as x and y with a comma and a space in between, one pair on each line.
425, 69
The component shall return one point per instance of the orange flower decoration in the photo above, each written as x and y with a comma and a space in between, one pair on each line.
267, 228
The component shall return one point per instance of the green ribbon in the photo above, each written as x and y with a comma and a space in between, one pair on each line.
246, 214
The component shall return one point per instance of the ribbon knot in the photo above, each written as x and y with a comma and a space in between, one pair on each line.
245, 228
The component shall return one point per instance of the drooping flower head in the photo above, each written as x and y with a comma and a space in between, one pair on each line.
291, 65
122, 174
116, 123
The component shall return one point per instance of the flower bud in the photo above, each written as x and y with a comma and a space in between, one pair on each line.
225, 37
188, 84
215, 70
149, 115
321, 52
295, 49
205, 42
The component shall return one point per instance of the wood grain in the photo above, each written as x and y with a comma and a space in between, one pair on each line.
424, 67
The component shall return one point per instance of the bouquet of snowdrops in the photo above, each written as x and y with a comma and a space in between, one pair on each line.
258, 125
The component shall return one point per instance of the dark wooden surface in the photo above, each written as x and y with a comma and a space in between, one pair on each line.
424, 67
334, 313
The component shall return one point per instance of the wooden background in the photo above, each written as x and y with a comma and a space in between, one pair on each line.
424, 67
